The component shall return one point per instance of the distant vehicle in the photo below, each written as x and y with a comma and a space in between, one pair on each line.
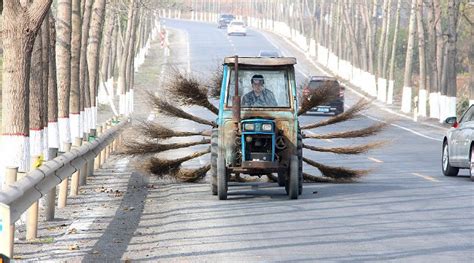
236, 28
269, 53
458, 145
224, 20
336, 106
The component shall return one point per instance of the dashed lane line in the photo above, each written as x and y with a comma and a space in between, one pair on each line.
426, 177
375, 160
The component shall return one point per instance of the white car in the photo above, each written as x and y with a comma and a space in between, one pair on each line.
236, 28
458, 145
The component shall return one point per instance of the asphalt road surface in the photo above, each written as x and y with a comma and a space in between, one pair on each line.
404, 210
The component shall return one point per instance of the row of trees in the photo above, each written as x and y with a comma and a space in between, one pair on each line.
55, 58
428, 43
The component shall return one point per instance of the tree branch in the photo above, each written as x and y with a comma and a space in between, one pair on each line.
37, 12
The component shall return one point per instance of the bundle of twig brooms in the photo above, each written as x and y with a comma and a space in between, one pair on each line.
189, 91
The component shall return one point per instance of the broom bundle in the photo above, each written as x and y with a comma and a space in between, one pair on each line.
192, 175
347, 150
160, 166
337, 173
168, 109
135, 147
319, 96
153, 130
351, 113
369, 131
188, 91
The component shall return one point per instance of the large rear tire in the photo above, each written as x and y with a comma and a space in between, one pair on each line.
221, 178
293, 188
299, 151
214, 148
448, 170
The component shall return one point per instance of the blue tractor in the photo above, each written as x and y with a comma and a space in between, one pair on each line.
257, 127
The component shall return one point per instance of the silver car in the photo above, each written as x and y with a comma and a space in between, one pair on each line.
458, 146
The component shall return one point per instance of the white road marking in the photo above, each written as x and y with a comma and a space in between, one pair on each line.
375, 160
429, 178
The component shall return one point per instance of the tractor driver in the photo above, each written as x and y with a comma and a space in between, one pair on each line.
259, 96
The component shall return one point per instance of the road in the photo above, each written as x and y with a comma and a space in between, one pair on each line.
404, 210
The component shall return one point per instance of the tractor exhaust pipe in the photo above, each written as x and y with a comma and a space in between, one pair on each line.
236, 109
236, 98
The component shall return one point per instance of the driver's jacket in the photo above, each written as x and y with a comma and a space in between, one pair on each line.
266, 99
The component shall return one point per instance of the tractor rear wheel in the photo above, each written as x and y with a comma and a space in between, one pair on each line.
299, 151
214, 148
221, 178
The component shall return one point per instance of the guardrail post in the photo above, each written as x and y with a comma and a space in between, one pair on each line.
7, 231
74, 190
50, 198
62, 199
91, 163
32, 212
85, 169
97, 158
102, 153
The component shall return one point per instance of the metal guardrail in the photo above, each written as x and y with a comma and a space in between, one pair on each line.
18, 197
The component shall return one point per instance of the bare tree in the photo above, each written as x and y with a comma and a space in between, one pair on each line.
20, 27
63, 62
407, 81
422, 93
96, 25
53, 133
75, 97
83, 79
392, 56
46, 57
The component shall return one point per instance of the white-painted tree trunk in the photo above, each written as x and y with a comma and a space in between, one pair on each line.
15, 153
406, 99
87, 117
382, 89
53, 135
75, 120
447, 107
36, 142
390, 92
422, 97
82, 124
434, 105
64, 133
45, 143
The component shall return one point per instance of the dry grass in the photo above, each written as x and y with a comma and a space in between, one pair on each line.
347, 150
215, 82
188, 91
369, 131
339, 174
161, 167
317, 97
154, 130
170, 110
135, 147
351, 113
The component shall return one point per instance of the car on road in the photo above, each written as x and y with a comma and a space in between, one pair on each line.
224, 20
336, 106
269, 53
236, 28
458, 144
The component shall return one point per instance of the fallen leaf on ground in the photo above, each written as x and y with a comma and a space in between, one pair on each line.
73, 247
72, 231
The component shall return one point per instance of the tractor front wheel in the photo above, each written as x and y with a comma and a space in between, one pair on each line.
214, 149
294, 182
221, 178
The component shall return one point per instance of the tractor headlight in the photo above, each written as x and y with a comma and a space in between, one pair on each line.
267, 127
249, 127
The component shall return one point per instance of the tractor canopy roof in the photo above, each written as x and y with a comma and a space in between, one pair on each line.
261, 61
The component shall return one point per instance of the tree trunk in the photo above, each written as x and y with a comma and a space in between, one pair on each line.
113, 52
449, 107
422, 94
471, 56
45, 62
431, 58
53, 132
63, 56
83, 80
105, 83
391, 79
380, 74
19, 28
407, 82
75, 96
36, 98
96, 26
122, 82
